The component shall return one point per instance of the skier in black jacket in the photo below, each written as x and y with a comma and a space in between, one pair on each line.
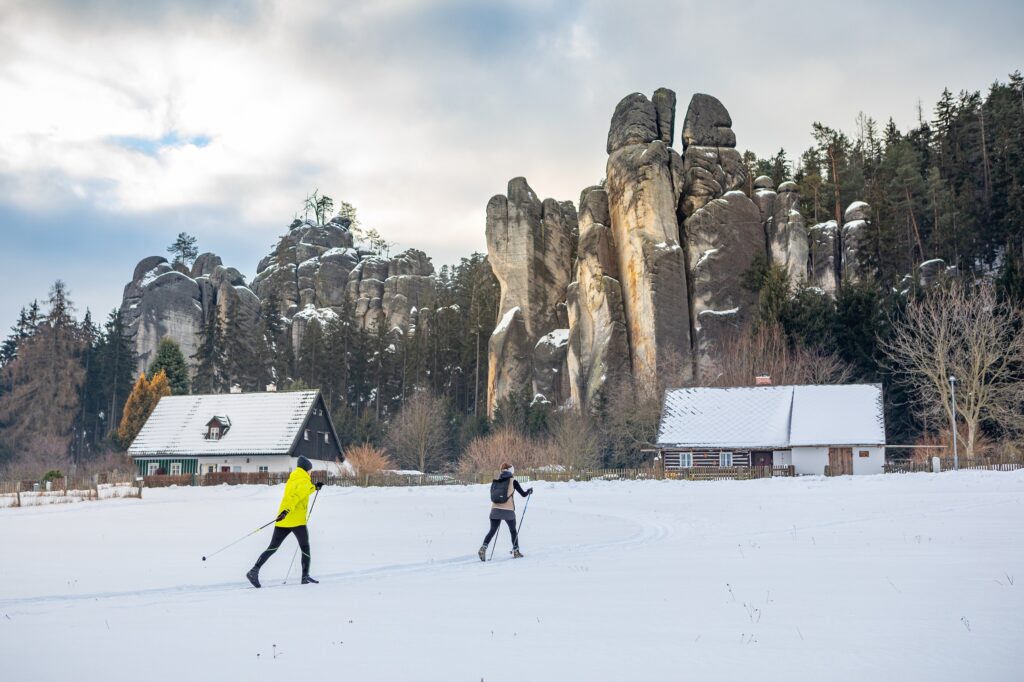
505, 511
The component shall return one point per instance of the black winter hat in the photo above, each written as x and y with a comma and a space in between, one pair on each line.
305, 464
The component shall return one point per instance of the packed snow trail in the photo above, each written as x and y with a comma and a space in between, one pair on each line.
913, 577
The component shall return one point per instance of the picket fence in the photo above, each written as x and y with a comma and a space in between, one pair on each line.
120, 484
66, 490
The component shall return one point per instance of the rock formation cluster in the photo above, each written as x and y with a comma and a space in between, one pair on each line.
314, 271
645, 282
664, 243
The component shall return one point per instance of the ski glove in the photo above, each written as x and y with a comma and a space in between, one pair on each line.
280, 517
318, 485
529, 491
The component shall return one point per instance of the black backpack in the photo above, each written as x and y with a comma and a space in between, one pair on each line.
499, 490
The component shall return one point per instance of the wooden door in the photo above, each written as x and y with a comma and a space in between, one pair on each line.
761, 458
840, 461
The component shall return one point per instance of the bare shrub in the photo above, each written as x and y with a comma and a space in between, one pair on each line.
367, 459
574, 441
767, 351
984, 447
486, 454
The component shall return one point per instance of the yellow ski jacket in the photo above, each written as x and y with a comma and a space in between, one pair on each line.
296, 499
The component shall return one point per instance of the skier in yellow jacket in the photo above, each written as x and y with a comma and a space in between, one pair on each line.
291, 518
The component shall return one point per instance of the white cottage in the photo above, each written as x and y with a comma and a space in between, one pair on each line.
808, 427
236, 433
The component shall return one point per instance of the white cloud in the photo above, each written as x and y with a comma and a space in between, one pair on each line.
417, 111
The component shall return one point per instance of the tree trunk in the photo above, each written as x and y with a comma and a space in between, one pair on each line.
984, 158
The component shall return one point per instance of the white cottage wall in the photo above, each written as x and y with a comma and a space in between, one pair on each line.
810, 460
782, 458
247, 464
276, 464
874, 463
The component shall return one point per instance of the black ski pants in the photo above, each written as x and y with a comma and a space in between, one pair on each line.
495, 524
280, 533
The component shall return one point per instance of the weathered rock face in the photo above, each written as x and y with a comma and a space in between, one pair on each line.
598, 346
723, 238
293, 270
162, 302
316, 267
788, 244
665, 114
409, 287
509, 358
550, 374
529, 247
856, 223
707, 123
822, 270
643, 195
711, 164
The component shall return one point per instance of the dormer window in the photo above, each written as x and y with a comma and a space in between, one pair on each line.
217, 427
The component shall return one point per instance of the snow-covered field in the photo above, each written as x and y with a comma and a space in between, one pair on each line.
898, 577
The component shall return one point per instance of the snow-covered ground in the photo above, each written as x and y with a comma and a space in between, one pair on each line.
898, 577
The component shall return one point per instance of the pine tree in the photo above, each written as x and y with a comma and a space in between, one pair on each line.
108, 380
171, 362
45, 381
140, 405
184, 249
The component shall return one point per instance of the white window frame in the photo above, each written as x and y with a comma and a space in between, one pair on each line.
305, 434
175, 468
685, 460
725, 459
327, 437
264, 469
152, 468
211, 468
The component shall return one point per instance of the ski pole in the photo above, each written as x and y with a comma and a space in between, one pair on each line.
498, 533
296, 552
523, 517
239, 539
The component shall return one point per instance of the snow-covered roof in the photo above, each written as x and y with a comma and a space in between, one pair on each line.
850, 414
727, 417
261, 423
773, 417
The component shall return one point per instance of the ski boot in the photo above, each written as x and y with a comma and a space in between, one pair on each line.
254, 577
482, 553
306, 580
516, 554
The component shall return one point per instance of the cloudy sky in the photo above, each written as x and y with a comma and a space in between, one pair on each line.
124, 123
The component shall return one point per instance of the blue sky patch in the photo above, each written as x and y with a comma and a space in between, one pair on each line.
152, 146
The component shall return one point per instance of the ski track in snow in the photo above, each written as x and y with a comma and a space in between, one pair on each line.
649, 532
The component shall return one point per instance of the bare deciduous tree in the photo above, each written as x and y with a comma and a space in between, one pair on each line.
966, 333
418, 434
